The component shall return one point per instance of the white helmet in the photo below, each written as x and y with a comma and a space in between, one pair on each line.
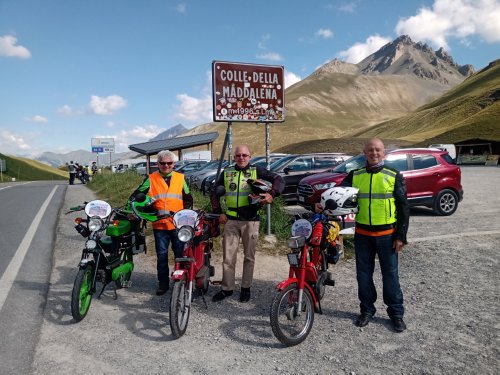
345, 201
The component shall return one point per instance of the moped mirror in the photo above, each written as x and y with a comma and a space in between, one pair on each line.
330, 204
140, 197
220, 191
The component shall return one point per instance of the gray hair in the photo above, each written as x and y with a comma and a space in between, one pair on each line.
167, 154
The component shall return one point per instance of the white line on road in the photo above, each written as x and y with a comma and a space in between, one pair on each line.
10, 274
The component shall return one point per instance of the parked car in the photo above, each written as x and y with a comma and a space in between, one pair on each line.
195, 178
261, 160
294, 168
141, 167
192, 165
432, 179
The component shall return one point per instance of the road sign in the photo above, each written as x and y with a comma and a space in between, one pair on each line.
248, 92
101, 145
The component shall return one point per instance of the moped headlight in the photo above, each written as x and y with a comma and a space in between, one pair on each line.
95, 223
90, 244
185, 234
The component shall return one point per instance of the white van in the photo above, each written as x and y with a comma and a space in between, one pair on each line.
450, 147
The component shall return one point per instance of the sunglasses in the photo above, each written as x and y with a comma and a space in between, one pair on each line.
165, 162
241, 155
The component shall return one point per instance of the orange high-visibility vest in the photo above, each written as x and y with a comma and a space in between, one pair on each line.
168, 198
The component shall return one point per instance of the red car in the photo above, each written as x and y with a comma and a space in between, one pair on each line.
432, 179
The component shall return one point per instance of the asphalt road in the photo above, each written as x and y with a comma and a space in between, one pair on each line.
29, 216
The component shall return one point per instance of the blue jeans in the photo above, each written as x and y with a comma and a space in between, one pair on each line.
162, 240
366, 249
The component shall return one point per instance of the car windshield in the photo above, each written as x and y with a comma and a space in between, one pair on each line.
353, 163
281, 162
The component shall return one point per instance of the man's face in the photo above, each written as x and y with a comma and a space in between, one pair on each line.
242, 157
374, 151
165, 165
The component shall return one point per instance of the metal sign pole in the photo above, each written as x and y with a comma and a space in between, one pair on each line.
268, 159
230, 141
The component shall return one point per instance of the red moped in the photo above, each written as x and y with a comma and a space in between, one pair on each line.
315, 243
196, 229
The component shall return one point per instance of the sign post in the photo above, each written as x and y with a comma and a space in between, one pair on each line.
103, 145
248, 93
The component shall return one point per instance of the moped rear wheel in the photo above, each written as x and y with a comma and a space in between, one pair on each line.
290, 322
180, 307
81, 297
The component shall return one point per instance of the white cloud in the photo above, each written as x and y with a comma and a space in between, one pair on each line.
181, 8
453, 19
37, 118
65, 110
291, 78
106, 106
110, 124
139, 134
349, 7
8, 48
324, 33
11, 143
271, 56
194, 109
359, 51
263, 41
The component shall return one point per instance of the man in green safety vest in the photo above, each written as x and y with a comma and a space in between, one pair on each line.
381, 227
241, 219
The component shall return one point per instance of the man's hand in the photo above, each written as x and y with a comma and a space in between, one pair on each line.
222, 219
266, 198
398, 245
318, 208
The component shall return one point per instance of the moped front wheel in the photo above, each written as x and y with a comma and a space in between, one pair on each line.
290, 322
81, 297
180, 307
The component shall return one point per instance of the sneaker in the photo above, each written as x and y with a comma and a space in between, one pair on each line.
161, 290
398, 324
363, 319
219, 296
245, 295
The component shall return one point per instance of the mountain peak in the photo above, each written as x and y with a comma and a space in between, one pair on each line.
405, 57
337, 66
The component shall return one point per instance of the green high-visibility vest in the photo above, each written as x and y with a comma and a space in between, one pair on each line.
375, 197
237, 189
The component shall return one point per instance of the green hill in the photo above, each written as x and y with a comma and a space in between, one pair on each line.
23, 169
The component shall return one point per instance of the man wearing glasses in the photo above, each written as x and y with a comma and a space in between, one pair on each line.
171, 193
241, 219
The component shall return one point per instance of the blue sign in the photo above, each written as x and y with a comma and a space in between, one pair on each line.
97, 149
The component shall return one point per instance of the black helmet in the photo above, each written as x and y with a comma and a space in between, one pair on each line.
258, 187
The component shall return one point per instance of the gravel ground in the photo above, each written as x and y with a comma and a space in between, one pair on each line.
449, 275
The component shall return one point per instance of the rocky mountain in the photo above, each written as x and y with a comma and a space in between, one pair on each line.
172, 132
340, 98
471, 110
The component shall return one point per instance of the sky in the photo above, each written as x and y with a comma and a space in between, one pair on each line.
73, 70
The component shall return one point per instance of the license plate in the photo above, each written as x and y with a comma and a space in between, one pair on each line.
178, 273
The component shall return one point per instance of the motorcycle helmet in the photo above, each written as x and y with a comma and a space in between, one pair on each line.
338, 201
143, 206
258, 187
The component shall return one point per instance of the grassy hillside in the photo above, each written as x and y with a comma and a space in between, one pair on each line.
23, 169
470, 110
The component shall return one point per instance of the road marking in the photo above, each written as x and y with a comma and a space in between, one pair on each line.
10, 274
455, 235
